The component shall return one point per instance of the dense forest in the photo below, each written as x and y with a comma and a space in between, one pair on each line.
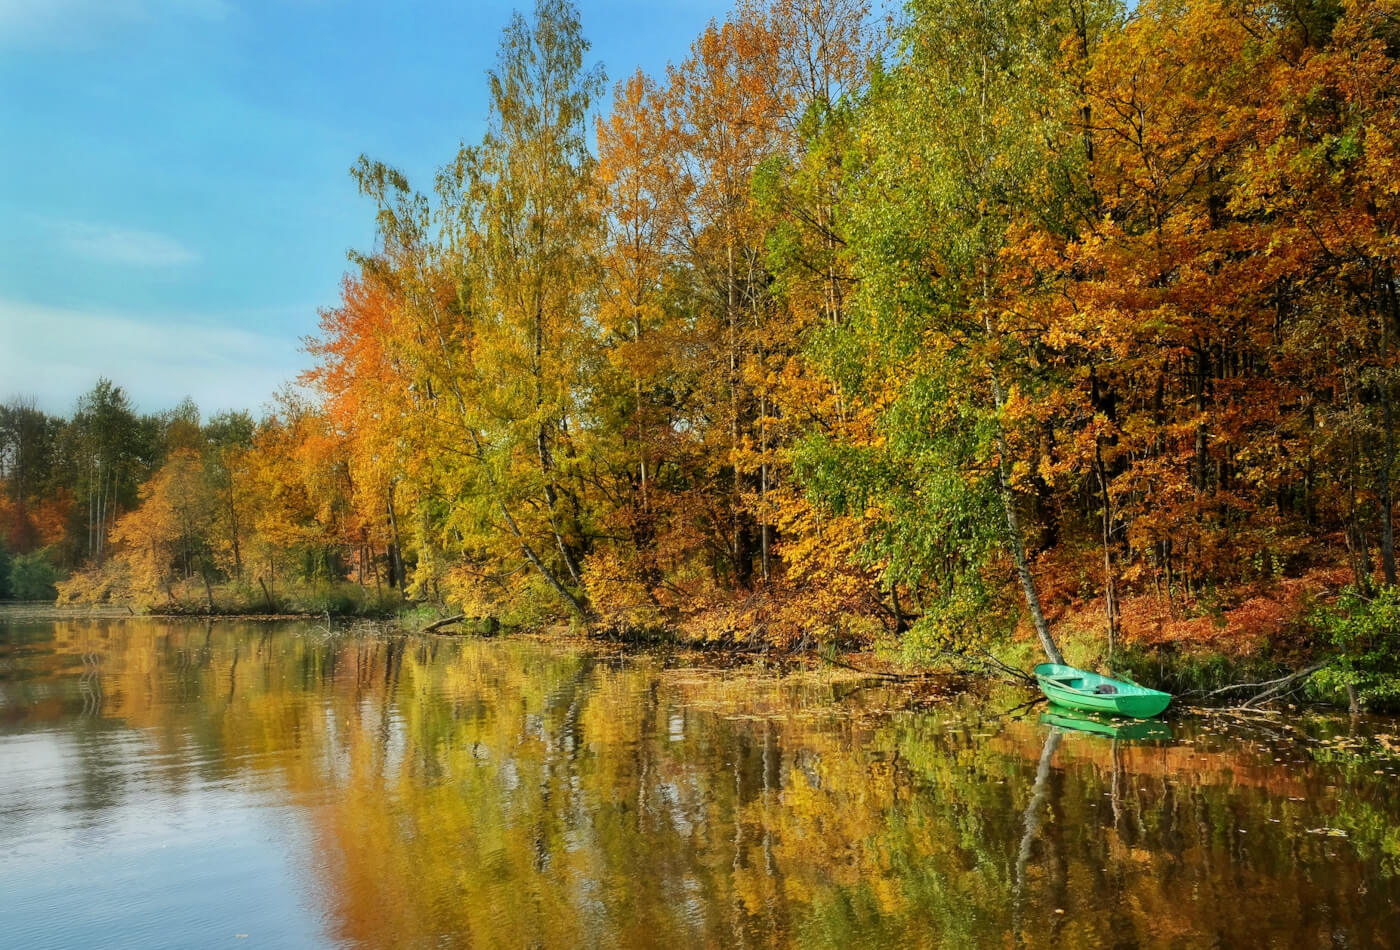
911, 330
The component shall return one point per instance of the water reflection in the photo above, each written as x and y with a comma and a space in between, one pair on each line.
1128, 730
371, 792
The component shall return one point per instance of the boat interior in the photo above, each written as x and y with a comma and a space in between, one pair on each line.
1077, 683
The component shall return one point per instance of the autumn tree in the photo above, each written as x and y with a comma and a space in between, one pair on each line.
484, 329
526, 231
953, 140
166, 538
1324, 192
727, 100
636, 193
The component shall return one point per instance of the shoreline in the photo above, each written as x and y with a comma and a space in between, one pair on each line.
863, 664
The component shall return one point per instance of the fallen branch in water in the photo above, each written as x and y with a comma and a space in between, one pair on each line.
1282, 680
1238, 712
1286, 684
444, 622
988, 660
1268, 689
972, 664
1008, 669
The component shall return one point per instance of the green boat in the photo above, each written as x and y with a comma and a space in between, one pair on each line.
1080, 689
1132, 730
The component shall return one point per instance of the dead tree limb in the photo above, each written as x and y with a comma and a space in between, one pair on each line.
1282, 680
444, 622
1285, 685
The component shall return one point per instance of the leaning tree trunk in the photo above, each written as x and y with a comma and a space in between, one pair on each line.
540, 566
1017, 539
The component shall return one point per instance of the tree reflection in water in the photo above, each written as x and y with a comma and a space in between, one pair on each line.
511, 793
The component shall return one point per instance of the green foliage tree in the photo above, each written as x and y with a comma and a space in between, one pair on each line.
33, 576
6, 560
951, 140
27, 448
1362, 631
227, 438
106, 446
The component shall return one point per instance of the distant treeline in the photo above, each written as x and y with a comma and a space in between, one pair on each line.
66, 483
885, 330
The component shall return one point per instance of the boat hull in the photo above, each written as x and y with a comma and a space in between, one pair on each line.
1075, 689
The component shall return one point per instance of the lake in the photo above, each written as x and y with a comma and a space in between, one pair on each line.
180, 784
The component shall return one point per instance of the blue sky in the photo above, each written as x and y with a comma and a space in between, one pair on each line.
175, 202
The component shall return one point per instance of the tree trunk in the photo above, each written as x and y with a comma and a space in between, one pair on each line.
551, 499
1386, 501
1015, 537
233, 531
540, 566
763, 482
1202, 451
1023, 569
743, 568
396, 571
1110, 582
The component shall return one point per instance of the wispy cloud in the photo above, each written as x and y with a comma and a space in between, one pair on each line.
56, 354
117, 245
82, 22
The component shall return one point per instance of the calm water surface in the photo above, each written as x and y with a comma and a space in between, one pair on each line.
241, 785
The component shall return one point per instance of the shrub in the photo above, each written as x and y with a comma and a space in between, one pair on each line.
1364, 632
111, 583
5, 561
32, 577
